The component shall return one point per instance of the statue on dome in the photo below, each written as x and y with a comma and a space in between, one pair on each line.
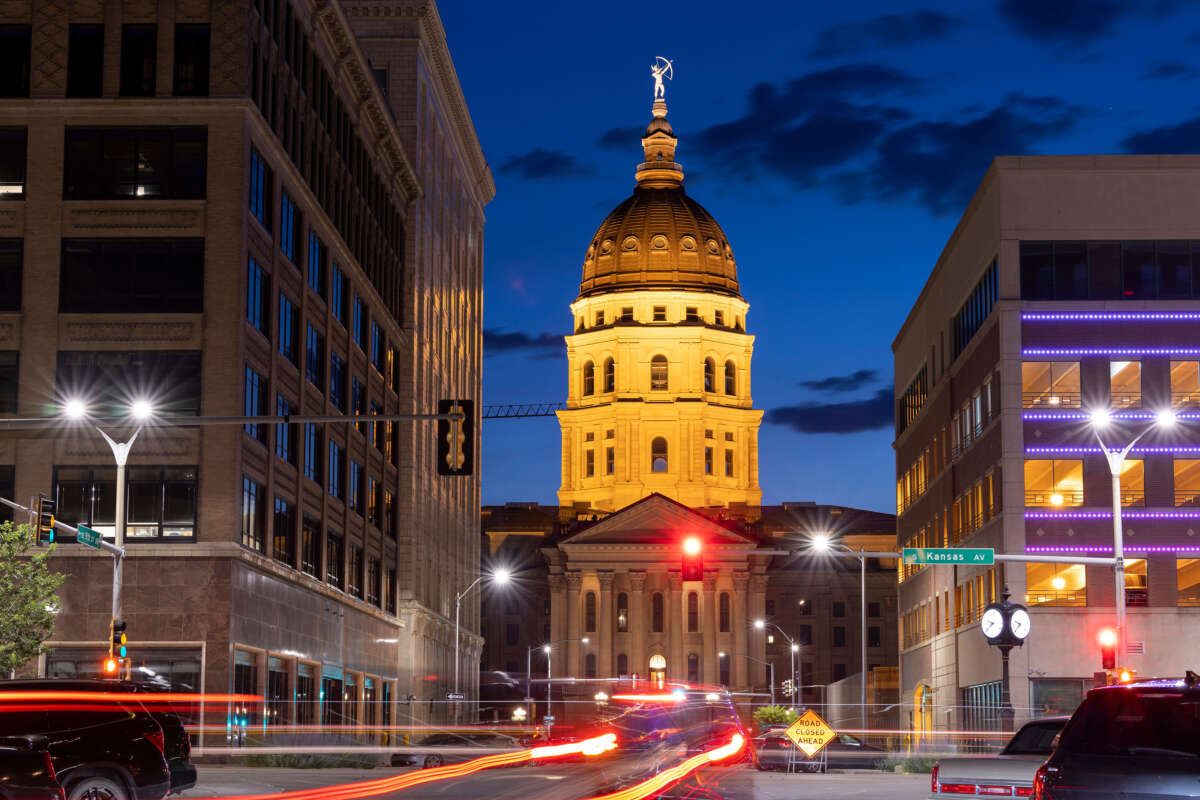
661, 68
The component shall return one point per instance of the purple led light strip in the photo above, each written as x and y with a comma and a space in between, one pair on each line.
1069, 415
1108, 515
1032, 316
1111, 351
1099, 548
1095, 449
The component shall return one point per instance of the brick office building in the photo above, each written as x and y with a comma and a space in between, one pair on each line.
227, 208
1069, 285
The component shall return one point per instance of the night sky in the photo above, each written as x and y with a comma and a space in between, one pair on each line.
836, 144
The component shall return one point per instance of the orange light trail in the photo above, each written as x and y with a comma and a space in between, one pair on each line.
144, 697
669, 777
649, 698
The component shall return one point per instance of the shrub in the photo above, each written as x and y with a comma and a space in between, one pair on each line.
773, 715
311, 760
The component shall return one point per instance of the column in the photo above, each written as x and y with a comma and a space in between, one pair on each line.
639, 623
741, 624
758, 640
676, 668
604, 626
574, 579
709, 626
558, 607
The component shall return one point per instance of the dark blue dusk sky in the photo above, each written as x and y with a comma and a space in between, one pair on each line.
836, 144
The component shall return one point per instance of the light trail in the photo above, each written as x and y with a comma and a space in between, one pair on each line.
175, 698
669, 777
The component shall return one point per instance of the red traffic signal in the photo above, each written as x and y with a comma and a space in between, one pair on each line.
691, 546
1108, 648
693, 562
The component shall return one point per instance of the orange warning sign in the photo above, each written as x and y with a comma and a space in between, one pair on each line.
810, 733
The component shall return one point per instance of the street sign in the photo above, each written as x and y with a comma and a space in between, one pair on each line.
949, 555
547, 719
88, 536
454, 696
810, 733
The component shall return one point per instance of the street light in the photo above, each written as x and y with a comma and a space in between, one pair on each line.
546, 648
1101, 419
760, 624
824, 543
499, 577
769, 665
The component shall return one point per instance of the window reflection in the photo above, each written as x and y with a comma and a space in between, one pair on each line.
1053, 482
1126, 384
1055, 585
1052, 384
1185, 384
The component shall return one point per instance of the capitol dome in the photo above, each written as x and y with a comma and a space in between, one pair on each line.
659, 238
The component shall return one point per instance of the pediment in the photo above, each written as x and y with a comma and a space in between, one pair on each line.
655, 521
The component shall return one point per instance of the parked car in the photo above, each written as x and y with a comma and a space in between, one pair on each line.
776, 751
177, 744
1009, 774
113, 751
456, 748
26, 770
1140, 740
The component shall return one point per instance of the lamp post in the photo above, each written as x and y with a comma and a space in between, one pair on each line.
499, 577
546, 648
761, 624
1115, 459
824, 543
769, 665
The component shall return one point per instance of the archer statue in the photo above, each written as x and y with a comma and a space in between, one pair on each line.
661, 68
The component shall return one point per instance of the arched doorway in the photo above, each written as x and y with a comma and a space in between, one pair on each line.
658, 668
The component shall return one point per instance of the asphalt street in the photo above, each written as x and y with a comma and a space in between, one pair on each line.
565, 781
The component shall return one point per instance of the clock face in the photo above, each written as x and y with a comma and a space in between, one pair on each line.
1019, 623
992, 623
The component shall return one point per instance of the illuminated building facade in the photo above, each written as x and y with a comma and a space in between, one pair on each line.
235, 208
1069, 285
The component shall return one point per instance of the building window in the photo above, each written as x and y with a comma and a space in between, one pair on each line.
589, 612
139, 62
770, 606
337, 468
728, 463
693, 612
1187, 581
13, 148
161, 502
660, 313
358, 403
658, 374
589, 666
512, 633
589, 463
191, 60
1187, 482
976, 310
693, 668
310, 546
1055, 270
255, 404
373, 500
14, 60
129, 276
599, 318
288, 322
389, 514
262, 188
589, 379
358, 322
610, 460
708, 461
173, 375
289, 228
1053, 482
723, 668
627, 314
317, 254
804, 635
622, 664
9, 381
284, 533
710, 373
355, 487
378, 347
872, 610
338, 295
839, 636
622, 612
656, 613
1136, 583
128, 163
337, 382
354, 571
314, 357
724, 612
1125, 380
334, 555
1054, 585
389, 592
1185, 384
1050, 384
610, 375
873, 636
719, 317
691, 314
373, 581
1133, 482
658, 455
285, 434
85, 61
839, 671
839, 609
730, 378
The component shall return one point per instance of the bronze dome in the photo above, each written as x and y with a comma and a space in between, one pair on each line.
659, 238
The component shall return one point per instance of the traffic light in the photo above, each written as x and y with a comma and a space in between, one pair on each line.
1126, 675
693, 559
117, 650
456, 438
788, 689
45, 519
1108, 648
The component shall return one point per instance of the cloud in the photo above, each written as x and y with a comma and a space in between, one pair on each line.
888, 30
621, 138
544, 345
541, 164
1079, 22
1168, 139
843, 383
939, 164
838, 418
1166, 70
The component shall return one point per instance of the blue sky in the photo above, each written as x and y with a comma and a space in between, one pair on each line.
835, 144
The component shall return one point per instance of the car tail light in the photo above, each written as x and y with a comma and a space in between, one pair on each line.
156, 738
957, 788
933, 779
49, 762
1023, 791
1039, 784
996, 790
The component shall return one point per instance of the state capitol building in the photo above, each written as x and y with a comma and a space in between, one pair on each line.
660, 444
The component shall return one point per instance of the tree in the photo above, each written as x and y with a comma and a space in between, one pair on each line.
773, 715
28, 595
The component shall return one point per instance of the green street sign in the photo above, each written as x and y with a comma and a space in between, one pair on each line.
88, 536
949, 555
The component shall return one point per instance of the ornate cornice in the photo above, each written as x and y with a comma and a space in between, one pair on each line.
675, 579
637, 580
574, 581
740, 580
606, 579
710, 581
557, 583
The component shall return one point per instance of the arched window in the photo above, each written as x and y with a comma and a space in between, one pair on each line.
723, 668
693, 612
730, 378
622, 612
724, 612
658, 374
693, 663
710, 375
610, 375
589, 612
656, 612
658, 455
589, 665
589, 379
622, 664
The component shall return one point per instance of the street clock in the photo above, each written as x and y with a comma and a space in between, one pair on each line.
1005, 624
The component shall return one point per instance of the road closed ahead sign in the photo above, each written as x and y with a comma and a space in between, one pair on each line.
810, 733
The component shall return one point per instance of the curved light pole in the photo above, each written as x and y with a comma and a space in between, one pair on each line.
1115, 459
499, 577
823, 543
548, 649
769, 665
761, 624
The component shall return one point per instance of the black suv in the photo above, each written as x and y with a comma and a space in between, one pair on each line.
26, 771
1136, 741
106, 750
